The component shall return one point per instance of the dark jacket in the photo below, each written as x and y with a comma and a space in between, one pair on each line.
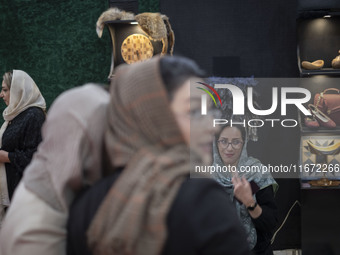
201, 220
267, 222
21, 139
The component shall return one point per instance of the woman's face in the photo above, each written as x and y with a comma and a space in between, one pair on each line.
5, 93
230, 145
186, 106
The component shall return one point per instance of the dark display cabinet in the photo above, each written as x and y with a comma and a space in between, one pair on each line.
318, 38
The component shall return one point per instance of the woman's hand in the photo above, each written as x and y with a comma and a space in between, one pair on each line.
4, 157
243, 193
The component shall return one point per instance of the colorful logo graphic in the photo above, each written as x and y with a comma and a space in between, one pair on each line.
207, 91
204, 97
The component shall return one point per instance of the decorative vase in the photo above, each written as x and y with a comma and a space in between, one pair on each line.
336, 62
318, 64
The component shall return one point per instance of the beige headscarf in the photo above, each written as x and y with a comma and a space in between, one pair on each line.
71, 151
143, 136
24, 93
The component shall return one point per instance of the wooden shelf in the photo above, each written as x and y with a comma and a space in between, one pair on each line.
316, 131
323, 71
305, 185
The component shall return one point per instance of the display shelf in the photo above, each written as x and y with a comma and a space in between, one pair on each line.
323, 71
318, 38
306, 130
311, 131
317, 6
305, 185
317, 84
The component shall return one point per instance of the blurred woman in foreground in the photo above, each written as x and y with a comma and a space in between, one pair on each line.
148, 204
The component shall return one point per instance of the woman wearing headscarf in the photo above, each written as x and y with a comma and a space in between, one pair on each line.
147, 204
20, 134
68, 158
250, 189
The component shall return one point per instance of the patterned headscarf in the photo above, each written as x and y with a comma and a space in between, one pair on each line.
144, 137
263, 180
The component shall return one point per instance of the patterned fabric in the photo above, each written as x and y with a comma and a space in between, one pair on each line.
143, 136
263, 180
321, 162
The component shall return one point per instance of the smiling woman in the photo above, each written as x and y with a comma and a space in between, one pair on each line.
252, 192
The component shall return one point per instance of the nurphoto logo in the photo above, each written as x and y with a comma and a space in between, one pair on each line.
238, 104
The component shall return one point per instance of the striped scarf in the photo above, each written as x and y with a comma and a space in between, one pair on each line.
143, 135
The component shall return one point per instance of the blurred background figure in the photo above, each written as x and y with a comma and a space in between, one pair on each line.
20, 134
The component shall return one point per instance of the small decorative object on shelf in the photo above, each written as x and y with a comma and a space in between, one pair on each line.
109, 15
333, 149
336, 62
311, 122
158, 28
135, 48
136, 38
322, 118
328, 102
318, 64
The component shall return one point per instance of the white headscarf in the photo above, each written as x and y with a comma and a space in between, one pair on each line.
24, 93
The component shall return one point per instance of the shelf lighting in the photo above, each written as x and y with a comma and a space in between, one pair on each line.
327, 16
134, 23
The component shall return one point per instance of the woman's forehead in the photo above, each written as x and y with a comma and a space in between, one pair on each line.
231, 131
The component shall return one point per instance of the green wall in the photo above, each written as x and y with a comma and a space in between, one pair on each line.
56, 43
148, 5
